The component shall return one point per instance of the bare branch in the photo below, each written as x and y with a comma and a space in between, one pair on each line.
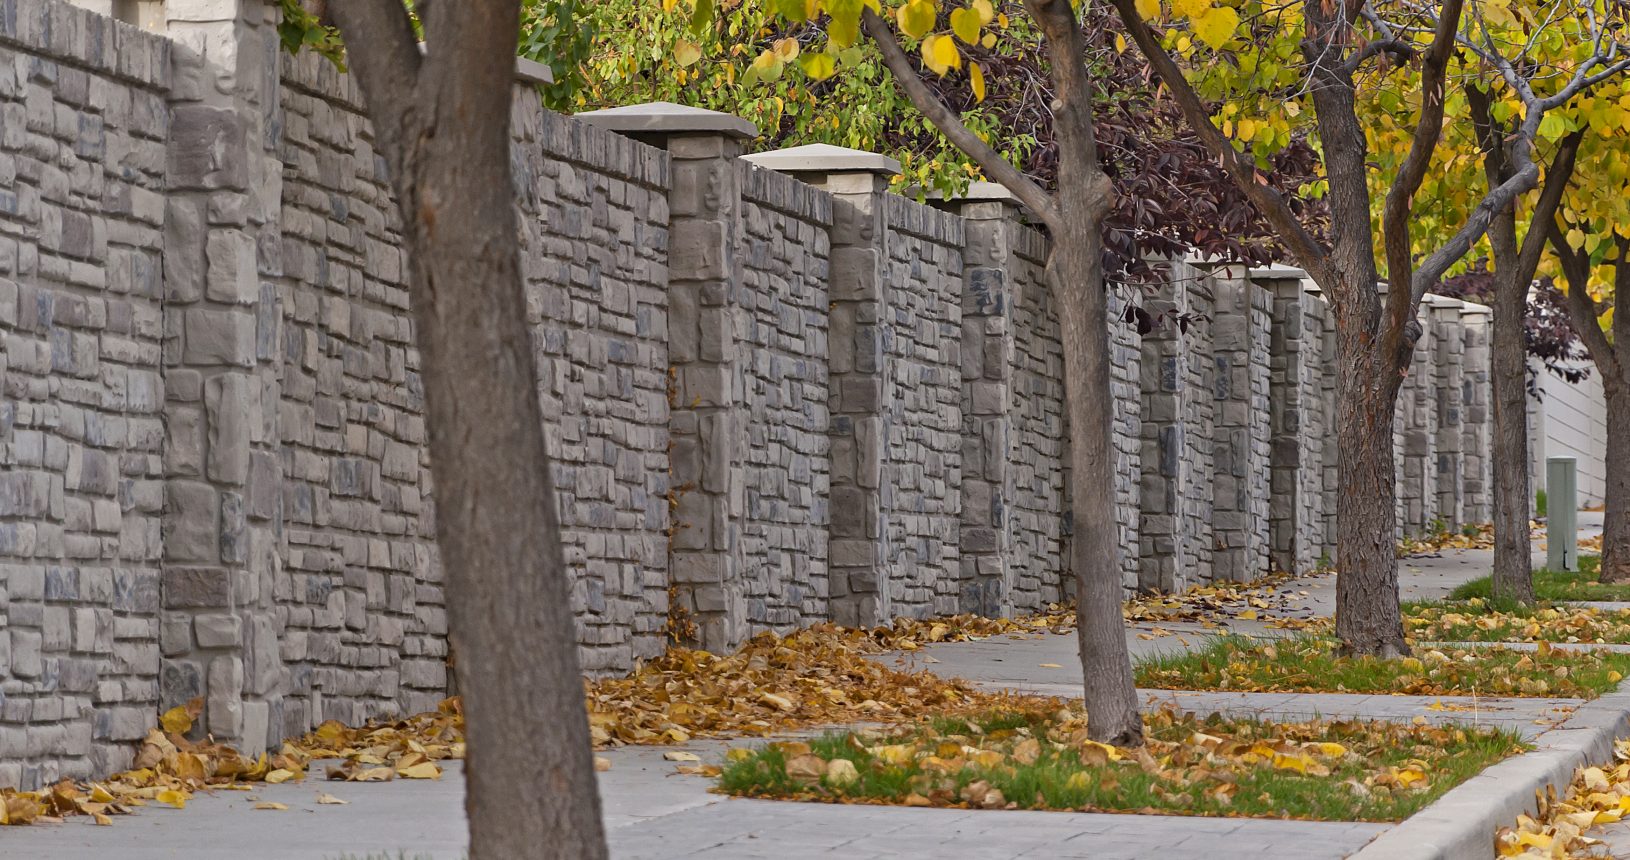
1583, 311
950, 125
1399, 204
1272, 206
1557, 178
1397, 47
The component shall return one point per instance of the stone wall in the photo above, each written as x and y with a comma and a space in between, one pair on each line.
785, 254
777, 393
84, 132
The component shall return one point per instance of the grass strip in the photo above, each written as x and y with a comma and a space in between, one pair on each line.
1325, 771
1311, 664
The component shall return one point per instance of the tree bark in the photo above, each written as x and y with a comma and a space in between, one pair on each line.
442, 123
1368, 618
1513, 554
1616, 523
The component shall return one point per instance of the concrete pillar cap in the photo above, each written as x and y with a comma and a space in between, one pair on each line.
1476, 309
824, 158
667, 118
1277, 272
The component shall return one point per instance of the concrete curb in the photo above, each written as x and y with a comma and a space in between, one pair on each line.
1460, 825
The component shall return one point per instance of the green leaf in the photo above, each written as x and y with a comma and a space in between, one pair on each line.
818, 66
686, 53
702, 17
792, 10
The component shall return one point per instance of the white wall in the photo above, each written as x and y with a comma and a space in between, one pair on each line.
1570, 421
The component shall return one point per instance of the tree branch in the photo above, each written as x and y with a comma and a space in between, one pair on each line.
389, 71
950, 125
1557, 178
1268, 202
1583, 311
1399, 204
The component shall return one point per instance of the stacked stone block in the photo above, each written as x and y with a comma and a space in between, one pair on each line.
83, 136
785, 256
1176, 543
1241, 335
921, 332
1298, 420
1448, 385
1477, 470
1416, 433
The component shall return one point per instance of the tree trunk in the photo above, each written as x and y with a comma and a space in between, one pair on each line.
1078, 289
1513, 553
442, 123
1616, 524
1368, 619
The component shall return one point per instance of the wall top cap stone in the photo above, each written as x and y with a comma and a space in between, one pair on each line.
824, 158
1444, 302
661, 118
1277, 271
1476, 309
526, 71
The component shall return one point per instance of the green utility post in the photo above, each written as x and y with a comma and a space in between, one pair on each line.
1562, 509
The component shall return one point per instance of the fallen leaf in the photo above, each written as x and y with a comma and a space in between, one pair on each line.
330, 800
270, 805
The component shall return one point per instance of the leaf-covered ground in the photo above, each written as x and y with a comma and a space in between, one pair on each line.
1475, 620
1580, 585
170, 767
1311, 664
1469, 537
1337, 771
1596, 796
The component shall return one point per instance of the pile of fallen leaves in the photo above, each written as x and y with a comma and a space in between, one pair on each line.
1472, 621
1047, 760
1591, 544
818, 675
170, 767
1596, 796
1470, 537
1215, 604
909, 634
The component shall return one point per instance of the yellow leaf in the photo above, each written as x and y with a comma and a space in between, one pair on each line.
916, 18
806, 767
686, 53
841, 771
1216, 26
1241, 129
681, 755
985, 10
176, 720
1149, 9
330, 800
780, 703
1049, 665
965, 24
279, 775
103, 819
940, 54
1190, 8
269, 805
1120, 44
976, 79
895, 754
177, 799
422, 770
602, 764
101, 795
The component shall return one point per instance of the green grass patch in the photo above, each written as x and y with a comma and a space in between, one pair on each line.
1557, 585
1335, 771
1478, 620
1312, 664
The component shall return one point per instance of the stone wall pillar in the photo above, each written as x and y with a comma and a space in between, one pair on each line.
991, 215
218, 629
1448, 382
1415, 428
1242, 333
858, 182
1477, 471
709, 413
1175, 549
1297, 525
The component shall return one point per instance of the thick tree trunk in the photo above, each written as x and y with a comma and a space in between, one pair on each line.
1616, 524
1078, 289
1513, 561
442, 124
1368, 619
